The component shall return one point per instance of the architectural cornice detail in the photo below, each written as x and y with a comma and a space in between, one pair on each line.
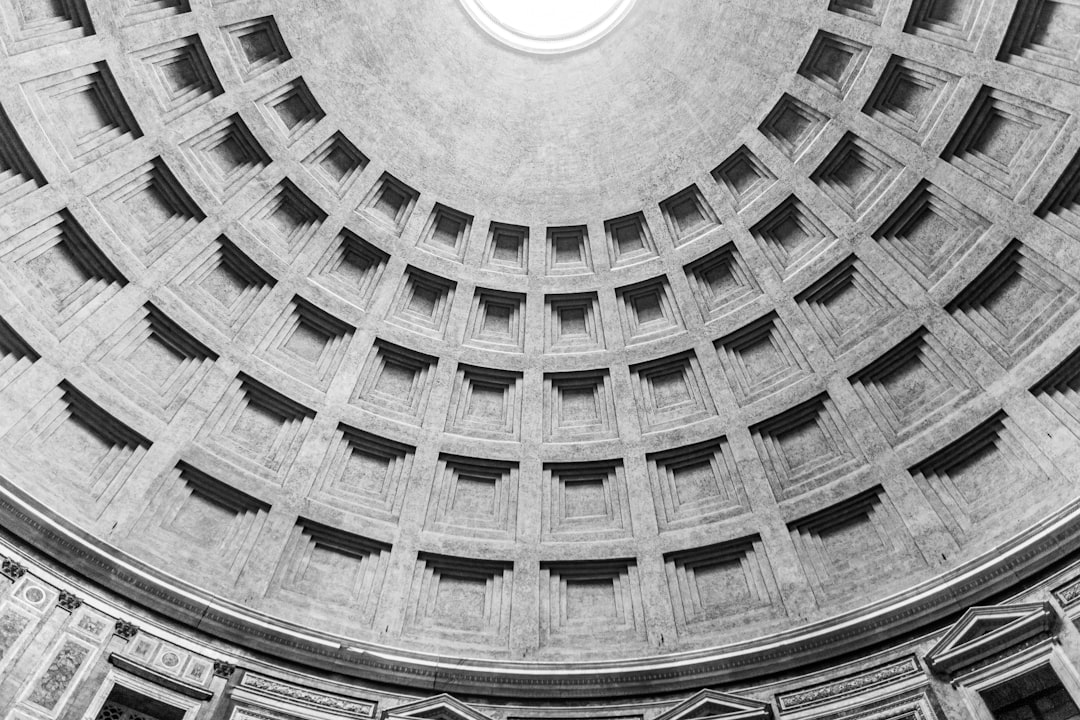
441, 706
986, 632
713, 704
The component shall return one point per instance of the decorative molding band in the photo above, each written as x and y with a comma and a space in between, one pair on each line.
890, 674
282, 691
910, 705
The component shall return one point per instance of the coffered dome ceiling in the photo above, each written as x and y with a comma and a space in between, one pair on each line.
742, 337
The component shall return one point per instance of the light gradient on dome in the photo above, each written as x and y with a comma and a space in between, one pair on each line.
548, 27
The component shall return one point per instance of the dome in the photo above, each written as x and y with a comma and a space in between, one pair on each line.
655, 346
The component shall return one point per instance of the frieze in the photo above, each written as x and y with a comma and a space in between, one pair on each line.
165, 658
1009, 652
358, 708
906, 707
893, 672
167, 675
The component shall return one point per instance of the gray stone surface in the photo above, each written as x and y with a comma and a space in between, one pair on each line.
749, 315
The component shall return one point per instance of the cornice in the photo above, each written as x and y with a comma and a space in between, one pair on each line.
1005, 629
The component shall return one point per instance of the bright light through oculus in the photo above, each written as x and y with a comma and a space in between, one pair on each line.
548, 18
548, 26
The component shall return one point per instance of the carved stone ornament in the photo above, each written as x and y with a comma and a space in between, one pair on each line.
125, 630
897, 671
359, 708
909, 706
68, 601
224, 669
11, 569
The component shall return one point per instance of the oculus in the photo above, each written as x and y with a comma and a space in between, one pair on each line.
548, 26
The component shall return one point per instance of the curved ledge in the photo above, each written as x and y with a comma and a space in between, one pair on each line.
995, 571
